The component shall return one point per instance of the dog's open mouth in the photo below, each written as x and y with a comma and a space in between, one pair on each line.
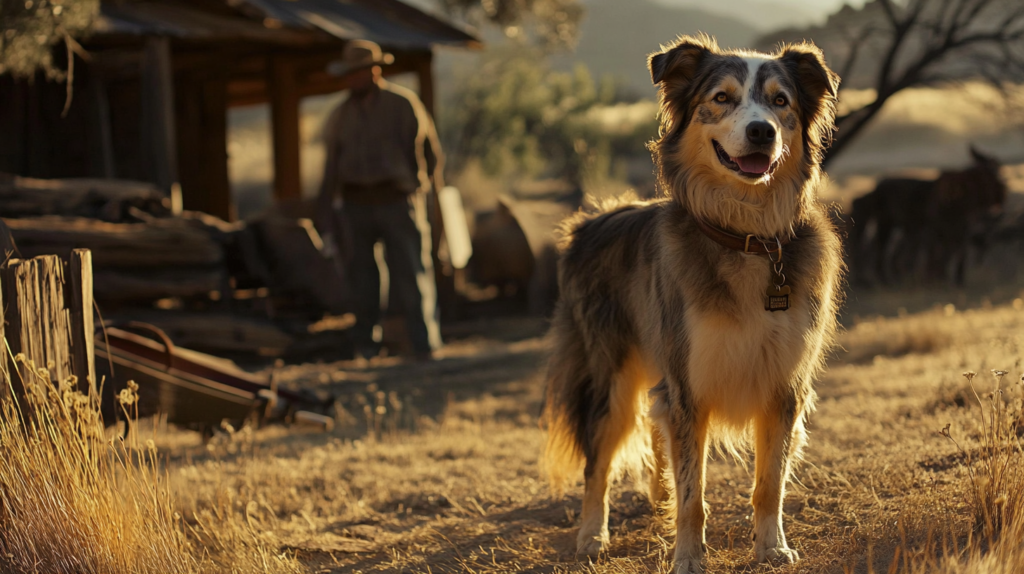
754, 166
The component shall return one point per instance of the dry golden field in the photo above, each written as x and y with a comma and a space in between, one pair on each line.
434, 467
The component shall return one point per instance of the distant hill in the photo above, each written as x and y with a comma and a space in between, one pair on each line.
616, 36
765, 15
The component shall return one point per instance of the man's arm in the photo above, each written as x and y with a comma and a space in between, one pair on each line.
331, 182
425, 156
433, 153
331, 138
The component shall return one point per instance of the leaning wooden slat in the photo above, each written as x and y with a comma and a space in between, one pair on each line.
79, 298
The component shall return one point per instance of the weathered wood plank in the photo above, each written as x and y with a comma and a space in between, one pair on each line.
38, 320
157, 243
79, 297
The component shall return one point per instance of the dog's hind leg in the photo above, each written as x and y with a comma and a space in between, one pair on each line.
658, 493
686, 425
612, 427
779, 436
593, 534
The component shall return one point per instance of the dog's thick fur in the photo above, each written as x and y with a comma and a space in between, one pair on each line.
661, 340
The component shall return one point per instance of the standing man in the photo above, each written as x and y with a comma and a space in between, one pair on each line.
382, 149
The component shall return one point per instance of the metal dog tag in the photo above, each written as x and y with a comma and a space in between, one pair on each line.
777, 298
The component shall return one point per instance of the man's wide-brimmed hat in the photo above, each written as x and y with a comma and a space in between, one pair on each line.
358, 55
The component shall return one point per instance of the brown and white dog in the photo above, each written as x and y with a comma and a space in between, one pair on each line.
703, 316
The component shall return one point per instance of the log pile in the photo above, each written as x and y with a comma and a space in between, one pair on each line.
104, 199
139, 261
222, 287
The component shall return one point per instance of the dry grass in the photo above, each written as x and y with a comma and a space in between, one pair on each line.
882, 490
73, 501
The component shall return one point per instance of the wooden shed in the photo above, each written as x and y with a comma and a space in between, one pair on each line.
152, 93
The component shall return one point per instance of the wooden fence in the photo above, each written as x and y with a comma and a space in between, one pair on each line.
47, 312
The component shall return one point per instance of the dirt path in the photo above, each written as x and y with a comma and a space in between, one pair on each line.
436, 469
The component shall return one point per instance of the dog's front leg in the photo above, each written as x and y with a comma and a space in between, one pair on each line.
688, 442
779, 437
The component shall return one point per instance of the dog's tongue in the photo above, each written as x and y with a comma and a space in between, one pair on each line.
753, 163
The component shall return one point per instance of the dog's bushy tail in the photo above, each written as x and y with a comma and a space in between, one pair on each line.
566, 404
588, 416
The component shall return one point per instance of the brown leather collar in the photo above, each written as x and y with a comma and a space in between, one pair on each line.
743, 243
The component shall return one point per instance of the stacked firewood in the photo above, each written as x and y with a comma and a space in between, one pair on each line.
250, 275
140, 253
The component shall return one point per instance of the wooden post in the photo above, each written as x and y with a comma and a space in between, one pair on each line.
202, 128
37, 319
79, 296
102, 118
48, 320
214, 150
284, 112
158, 107
444, 273
425, 76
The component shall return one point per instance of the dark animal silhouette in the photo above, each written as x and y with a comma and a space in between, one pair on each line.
886, 225
923, 229
964, 207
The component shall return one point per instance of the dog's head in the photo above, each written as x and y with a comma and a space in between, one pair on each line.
742, 131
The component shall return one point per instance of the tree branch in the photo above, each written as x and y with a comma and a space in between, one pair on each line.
954, 27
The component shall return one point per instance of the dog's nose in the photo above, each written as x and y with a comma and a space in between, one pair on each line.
760, 133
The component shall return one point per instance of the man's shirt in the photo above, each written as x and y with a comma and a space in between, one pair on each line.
378, 139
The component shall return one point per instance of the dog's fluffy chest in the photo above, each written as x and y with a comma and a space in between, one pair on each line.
740, 354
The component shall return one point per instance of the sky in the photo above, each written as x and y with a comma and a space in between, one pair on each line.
769, 14
764, 15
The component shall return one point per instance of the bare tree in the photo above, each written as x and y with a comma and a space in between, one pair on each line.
928, 42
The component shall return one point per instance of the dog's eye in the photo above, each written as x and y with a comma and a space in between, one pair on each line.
721, 97
781, 101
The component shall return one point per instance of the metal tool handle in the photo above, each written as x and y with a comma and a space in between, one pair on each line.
153, 329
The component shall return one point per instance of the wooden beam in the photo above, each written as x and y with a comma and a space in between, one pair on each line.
425, 74
214, 151
284, 113
158, 115
101, 109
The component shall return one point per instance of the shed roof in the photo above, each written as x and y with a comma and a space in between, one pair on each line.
390, 23
387, 22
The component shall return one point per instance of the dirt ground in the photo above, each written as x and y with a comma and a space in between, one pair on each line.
434, 467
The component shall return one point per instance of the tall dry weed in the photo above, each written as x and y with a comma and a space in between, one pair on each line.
995, 472
995, 467
73, 501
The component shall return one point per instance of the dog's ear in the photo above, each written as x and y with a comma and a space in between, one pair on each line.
817, 87
681, 59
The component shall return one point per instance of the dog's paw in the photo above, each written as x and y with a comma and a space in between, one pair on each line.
778, 555
687, 566
591, 547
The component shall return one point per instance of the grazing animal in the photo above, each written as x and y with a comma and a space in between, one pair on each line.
963, 210
887, 226
924, 228
663, 341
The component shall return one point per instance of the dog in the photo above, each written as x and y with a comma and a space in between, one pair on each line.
702, 317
